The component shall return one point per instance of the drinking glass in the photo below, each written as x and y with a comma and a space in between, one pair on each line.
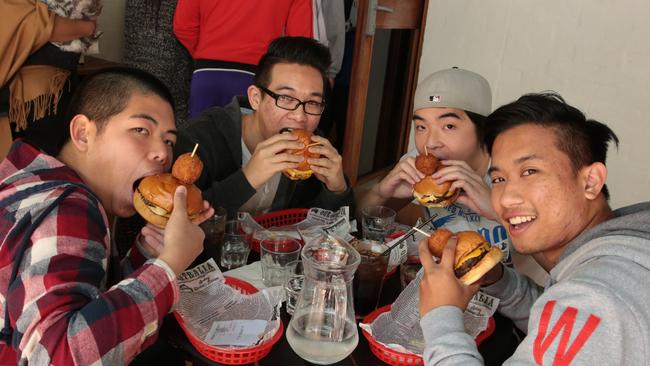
369, 277
214, 229
235, 249
293, 284
275, 253
377, 222
408, 271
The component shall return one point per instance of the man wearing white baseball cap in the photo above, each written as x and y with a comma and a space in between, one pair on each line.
450, 107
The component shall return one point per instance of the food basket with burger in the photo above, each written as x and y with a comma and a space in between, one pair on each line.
394, 331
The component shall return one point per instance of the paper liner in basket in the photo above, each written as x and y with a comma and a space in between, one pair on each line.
205, 298
399, 329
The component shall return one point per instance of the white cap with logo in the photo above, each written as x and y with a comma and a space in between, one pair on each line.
454, 88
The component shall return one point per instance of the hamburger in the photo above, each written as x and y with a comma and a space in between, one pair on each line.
427, 191
303, 171
431, 194
153, 198
474, 255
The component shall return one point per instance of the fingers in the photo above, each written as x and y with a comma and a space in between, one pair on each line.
408, 165
180, 202
286, 157
151, 239
323, 146
405, 171
456, 170
205, 214
425, 256
326, 150
449, 253
277, 143
153, 232
154, 245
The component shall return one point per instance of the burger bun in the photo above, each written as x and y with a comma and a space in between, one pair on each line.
431, 194
154, 198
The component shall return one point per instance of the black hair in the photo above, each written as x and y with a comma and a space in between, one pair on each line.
107, 92
479, 126
584, 141
293, 50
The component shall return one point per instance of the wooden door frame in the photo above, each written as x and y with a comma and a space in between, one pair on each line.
361, 64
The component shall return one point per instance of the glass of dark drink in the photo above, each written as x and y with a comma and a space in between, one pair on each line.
214, 229
369, 277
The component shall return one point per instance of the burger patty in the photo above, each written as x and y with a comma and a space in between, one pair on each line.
468, 264
442, 198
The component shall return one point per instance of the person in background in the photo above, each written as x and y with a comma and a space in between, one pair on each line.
34, 72
548, 188
227, 38
63, 299
449, 120
329, 29
150, 45
242, 149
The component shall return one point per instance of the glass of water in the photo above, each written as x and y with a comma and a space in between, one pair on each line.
235, 248
377, 222
275, 253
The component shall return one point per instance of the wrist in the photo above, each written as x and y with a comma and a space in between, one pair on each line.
171, 264
250, 177
340, 188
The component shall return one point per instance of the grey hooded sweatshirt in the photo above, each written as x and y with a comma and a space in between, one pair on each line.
594, 310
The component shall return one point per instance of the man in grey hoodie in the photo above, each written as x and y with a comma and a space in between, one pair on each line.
548, 173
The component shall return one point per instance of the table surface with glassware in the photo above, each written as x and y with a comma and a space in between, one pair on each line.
330, 284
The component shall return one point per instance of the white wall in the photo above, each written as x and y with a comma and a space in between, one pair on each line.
596, 54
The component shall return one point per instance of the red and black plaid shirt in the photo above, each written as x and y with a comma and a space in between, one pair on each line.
61, 308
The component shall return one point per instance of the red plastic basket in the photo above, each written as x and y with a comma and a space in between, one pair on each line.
395, 358
277, 219
233, 356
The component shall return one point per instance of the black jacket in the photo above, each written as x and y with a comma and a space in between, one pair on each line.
218, 133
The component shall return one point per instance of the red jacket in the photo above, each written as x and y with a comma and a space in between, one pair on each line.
238, 31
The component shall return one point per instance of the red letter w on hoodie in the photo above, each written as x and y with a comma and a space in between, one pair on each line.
564, 324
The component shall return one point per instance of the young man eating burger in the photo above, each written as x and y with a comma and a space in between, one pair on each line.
242, 147
447, 171
548, 174
63, 300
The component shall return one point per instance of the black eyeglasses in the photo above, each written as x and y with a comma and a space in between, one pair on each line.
291, 104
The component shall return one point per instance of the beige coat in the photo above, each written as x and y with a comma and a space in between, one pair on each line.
27, 25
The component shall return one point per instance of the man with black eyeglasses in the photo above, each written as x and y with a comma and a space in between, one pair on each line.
243, 150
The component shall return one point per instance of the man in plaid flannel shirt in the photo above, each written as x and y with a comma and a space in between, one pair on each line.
66, 306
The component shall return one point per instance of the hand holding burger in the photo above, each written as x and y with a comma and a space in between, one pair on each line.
427, 191
303, 170
473, 257
153, 199
439, 285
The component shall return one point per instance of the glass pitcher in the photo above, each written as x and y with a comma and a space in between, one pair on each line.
323, 329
